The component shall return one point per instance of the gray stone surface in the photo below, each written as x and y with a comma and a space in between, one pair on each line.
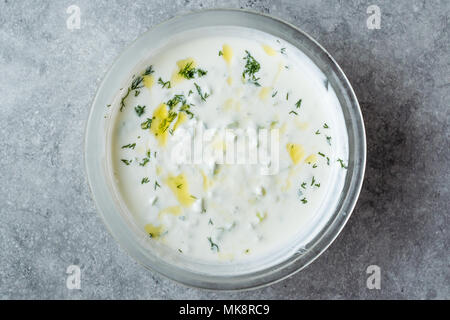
48, 79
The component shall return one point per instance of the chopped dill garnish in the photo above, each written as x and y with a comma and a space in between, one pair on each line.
293, 112
189, 71
213, 245
180, 251
194, 197
210, 222
165, 124
314, 165
313, 181
145, 180
303, 185
127, 162
164, 84
137, 92
178, 98
190, 92
325, 126
139, 110
108, 105
251, 68
298, 104
328, 140
283, 50
146, 124
144, 162
179, 186
342, 163
148, 71
202, 95
220, 53
201, 72
304, 200
287, 96
136, 84
129, 146
185, 108
317, 185
157, 185
317, 132
274, 94
321, 154
328, 161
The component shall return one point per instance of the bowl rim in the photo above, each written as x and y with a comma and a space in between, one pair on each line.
325, 240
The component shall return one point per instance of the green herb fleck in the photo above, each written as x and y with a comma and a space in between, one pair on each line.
136, 84
304, 201
342, 163
129, 146
189, 71
303, 185
325, 126
127, 162
251, 68
146, 124
157, 185
200, 93
293, 112
298, 104
140, 110
213, 245
164, 84
145, 180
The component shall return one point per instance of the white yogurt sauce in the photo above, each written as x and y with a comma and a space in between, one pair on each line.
227, 212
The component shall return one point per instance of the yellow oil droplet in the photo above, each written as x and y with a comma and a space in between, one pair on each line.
181, 64
301, 124
206, 182
311, 159
180, 188
269, 50
283, 129
182, 117
295, 151
264, 92
158, 127
225, 256
148, 81
175, 210
227, 53
230, 81
153, 231
228, 104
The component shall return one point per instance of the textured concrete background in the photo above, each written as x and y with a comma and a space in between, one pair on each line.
48, 78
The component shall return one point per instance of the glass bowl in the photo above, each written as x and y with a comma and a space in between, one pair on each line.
121, 224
